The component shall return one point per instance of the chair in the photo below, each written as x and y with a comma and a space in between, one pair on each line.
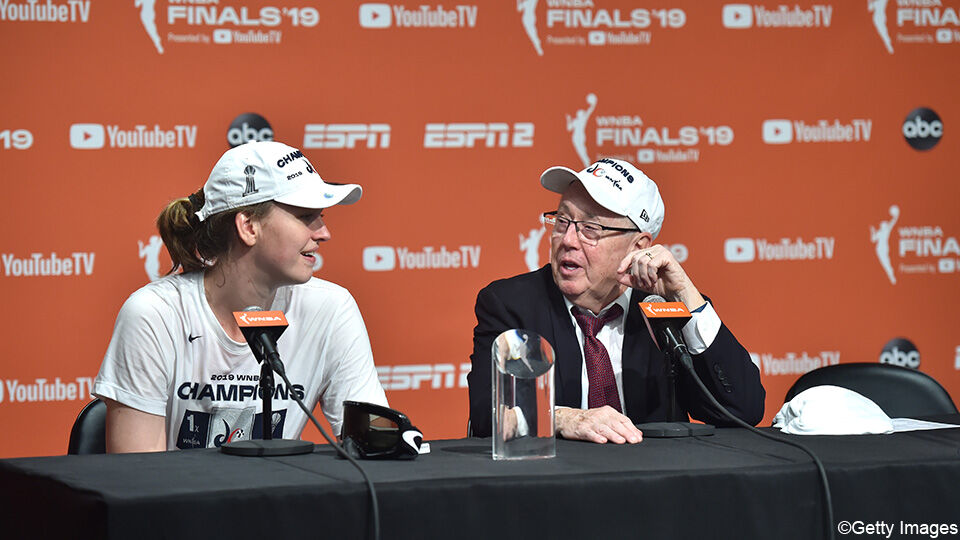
901, 392
88, 435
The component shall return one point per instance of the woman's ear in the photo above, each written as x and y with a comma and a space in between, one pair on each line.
248, 228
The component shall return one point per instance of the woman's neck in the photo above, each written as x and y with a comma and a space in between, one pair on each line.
228, 289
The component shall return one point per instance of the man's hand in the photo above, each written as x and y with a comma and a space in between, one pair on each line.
600, 425
655, 270
509, 423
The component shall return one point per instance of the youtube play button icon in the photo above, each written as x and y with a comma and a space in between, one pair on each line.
375, 16
87, 136
379, 258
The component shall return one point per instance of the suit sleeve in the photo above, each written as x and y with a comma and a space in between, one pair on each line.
493, 318
731, 376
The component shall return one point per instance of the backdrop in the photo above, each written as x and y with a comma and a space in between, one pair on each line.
803, 151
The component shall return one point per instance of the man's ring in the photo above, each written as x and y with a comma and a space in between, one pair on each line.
649, 255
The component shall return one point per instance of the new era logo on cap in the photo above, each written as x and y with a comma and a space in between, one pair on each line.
378, 258
737, 16
375, 16
777, 132
738, 250
87, 136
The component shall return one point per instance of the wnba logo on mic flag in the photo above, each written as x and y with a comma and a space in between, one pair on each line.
247, 319
664, 310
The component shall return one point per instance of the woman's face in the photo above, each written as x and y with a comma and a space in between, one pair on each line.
288, 243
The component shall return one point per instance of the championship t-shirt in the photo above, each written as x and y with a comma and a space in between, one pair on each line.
169, 356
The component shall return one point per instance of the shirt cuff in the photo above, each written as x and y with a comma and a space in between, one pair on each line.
523, 429
701, 329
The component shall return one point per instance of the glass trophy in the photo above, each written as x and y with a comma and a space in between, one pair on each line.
523, 423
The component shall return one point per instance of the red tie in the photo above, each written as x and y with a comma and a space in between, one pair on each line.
603, 385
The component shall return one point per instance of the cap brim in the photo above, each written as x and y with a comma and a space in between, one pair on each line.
322, 195
558, 179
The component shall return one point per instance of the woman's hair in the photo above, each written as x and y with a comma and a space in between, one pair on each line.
194, 244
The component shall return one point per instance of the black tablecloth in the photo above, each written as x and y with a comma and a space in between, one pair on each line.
734, 484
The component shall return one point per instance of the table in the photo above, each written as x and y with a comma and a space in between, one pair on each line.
734, 484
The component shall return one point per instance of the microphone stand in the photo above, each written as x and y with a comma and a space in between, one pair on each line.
674, 427
268, 446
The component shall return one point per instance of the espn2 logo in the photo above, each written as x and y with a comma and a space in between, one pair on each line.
492, 135
777, 132
375, 16
737, 16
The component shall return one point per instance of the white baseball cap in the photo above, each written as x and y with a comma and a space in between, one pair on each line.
261, 171
617, 186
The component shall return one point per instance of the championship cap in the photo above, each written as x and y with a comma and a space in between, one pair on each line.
261, 171
617, 186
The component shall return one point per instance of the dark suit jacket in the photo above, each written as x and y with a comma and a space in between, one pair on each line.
533, 302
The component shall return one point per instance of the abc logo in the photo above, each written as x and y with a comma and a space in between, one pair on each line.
900, 352
249, 127
922, 128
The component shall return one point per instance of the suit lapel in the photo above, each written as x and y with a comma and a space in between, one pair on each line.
636, 360
569, 357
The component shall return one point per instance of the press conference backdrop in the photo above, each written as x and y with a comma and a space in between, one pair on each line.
803, 149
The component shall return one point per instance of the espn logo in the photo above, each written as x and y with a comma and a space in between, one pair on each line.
334, 136
379, 258
491, 135
411, 377
87, 136
739, 250
777, 132
375, 16
737, 16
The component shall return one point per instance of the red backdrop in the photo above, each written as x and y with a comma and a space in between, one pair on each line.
780, 138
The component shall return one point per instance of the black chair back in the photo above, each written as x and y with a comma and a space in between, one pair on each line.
901, 392
88, 435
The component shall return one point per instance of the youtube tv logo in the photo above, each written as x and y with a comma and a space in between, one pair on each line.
375, 16
379, 258
737, 16
777, 132
739, 250
87, 136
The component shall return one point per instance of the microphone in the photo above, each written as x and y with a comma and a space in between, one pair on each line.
262, 329
664, 321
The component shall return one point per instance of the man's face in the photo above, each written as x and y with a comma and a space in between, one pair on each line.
585, 274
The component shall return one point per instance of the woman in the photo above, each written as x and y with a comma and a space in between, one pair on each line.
178, 373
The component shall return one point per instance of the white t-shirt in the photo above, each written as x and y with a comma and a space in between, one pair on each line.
169, 356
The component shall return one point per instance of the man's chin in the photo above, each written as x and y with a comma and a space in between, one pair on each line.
571, 288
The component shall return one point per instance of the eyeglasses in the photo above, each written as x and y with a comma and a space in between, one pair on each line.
590, 232
372, 431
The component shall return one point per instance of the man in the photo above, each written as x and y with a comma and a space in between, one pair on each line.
602, 263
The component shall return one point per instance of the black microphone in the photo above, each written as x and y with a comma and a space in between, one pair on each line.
665, 322
262, 329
